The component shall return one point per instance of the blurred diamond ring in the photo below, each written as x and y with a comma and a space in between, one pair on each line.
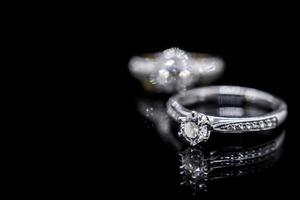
174, 69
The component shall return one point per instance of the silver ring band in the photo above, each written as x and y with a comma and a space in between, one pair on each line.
196, 127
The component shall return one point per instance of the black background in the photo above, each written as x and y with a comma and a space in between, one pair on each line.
119, 153
144, 165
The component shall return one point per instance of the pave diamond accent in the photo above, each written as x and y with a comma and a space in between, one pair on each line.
195, 128
249, 126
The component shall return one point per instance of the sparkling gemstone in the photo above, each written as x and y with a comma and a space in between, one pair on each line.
248, 126
239, 127
191, 130
232, 127
162, 76
195, 128
269, 123
185, 74
262, 124
255, 125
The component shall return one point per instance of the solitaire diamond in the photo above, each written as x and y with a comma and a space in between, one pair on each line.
191, 130
195, 128
173, 69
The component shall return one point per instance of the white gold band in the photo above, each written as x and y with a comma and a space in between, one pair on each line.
226, 94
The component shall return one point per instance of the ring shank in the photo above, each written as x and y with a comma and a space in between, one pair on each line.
277, 106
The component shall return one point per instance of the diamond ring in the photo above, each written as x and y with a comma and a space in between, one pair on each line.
223, 158
231, 116
175, 70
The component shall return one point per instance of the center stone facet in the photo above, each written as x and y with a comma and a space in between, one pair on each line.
191, 130
195, 128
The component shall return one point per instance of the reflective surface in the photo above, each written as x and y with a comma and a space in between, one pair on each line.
222, 158
111, 147
140, 163
198, 168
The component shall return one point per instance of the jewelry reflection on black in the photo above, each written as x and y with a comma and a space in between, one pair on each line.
201, 165
199, 169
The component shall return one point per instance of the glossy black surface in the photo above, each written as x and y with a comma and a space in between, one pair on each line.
120, 152
149, 167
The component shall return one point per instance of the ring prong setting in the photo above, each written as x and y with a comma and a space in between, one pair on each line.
195, 129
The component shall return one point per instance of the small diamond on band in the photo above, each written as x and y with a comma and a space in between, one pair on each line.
250, 126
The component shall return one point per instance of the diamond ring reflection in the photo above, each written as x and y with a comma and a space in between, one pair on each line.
198, 169
174, 69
